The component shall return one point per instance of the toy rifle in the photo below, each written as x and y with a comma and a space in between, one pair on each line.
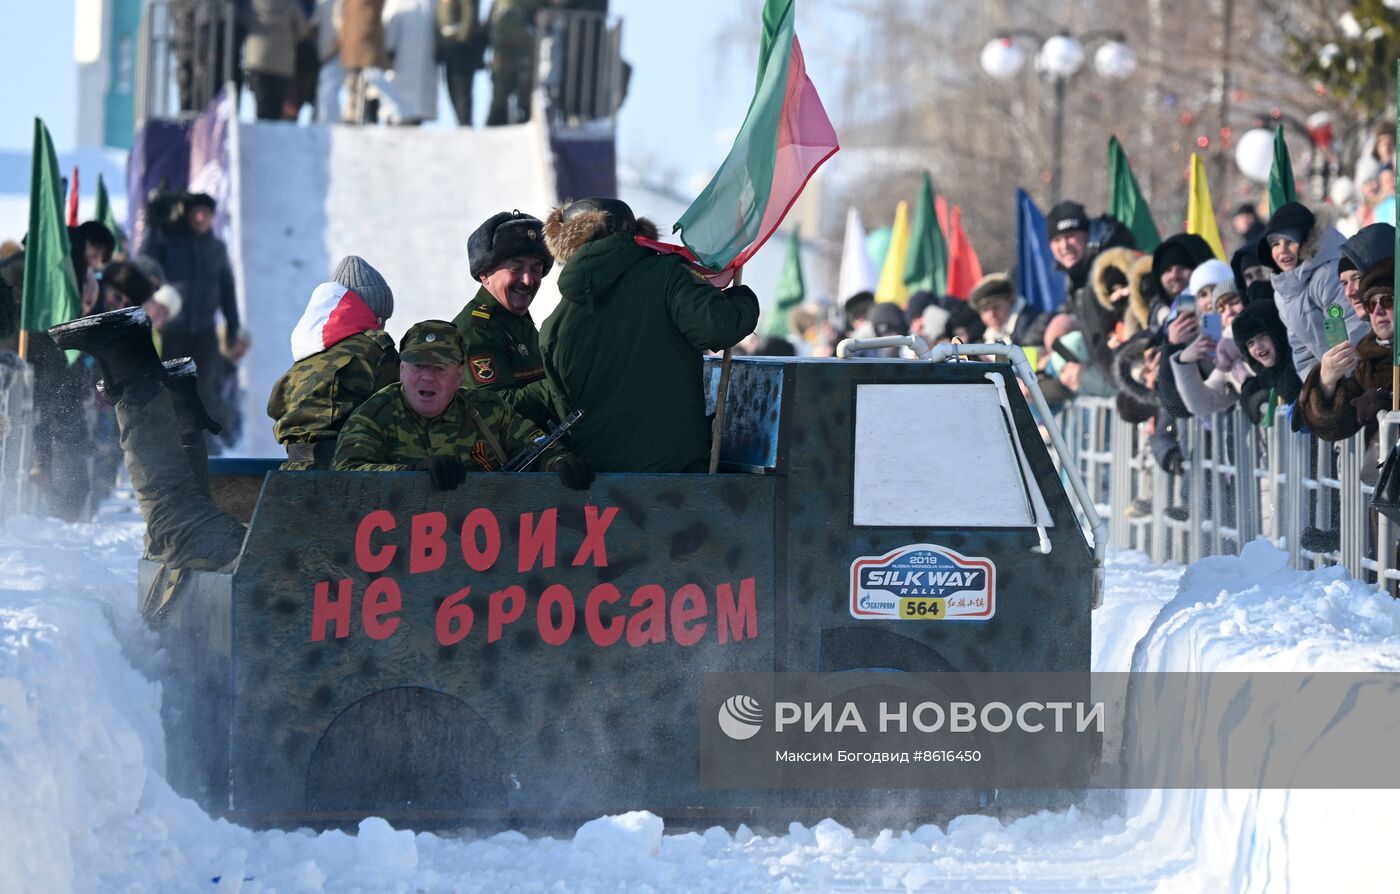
522, 460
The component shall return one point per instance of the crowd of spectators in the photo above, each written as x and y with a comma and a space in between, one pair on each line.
365, 61
1294, 330
185, 283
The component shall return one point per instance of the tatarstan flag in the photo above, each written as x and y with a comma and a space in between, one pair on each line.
784, 139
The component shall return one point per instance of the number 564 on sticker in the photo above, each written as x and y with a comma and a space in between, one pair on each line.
932, 609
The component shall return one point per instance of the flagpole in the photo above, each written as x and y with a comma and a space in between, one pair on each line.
722, 392
23, 345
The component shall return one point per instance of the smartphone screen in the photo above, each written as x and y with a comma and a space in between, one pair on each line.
1334, 325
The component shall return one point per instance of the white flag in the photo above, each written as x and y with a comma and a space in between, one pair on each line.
857, 273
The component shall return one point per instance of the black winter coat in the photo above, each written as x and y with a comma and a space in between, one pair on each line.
198, 267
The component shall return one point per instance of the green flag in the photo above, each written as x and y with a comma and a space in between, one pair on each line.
1125, 200
103, 215
926, 268
1282, 187
50, 287
790, 291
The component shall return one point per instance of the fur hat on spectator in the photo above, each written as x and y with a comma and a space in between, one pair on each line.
1261, 318
989, 288
1379, 280
1180, 250
510, 234
1136, 402
1112, 268
574, 224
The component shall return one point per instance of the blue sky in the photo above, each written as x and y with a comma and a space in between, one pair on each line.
38, 74
689, 90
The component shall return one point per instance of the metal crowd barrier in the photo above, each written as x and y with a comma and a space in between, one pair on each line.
1239, 482
16, 436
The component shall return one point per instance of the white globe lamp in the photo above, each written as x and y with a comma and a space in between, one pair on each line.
1254, 154
1115, 60
1061, 56
1002, 59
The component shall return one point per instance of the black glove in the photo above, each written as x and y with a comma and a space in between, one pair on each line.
1370, 403
574, 472
1254, 405
1173, 462
447, 472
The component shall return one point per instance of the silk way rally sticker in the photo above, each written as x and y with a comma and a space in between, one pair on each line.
922, 582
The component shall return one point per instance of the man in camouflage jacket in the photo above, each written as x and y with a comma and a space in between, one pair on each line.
427, 422
341, 356
508, 257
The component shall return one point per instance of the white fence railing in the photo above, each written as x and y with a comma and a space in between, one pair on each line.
16, 435
1239, 482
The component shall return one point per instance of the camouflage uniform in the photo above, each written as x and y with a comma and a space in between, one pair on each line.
387, 435
311, 402
184, 529
503, 356
512, 59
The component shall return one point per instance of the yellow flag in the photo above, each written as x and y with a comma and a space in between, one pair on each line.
1200, 213
892, 287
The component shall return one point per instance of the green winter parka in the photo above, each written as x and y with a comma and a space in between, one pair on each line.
625, 346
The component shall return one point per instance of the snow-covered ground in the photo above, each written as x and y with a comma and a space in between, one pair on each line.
84, 805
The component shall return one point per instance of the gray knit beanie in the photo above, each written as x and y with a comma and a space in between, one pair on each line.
356, 274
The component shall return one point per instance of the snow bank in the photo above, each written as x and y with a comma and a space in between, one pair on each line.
1255, 613
84, 805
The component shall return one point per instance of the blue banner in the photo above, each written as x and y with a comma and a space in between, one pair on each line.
1037, 279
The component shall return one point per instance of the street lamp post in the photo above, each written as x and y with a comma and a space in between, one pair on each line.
1059, 58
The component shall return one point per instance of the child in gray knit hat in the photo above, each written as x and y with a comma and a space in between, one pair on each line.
340, 356
356, 274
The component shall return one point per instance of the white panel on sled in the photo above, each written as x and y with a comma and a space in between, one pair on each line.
937, 456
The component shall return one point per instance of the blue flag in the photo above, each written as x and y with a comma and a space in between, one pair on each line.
1037, 279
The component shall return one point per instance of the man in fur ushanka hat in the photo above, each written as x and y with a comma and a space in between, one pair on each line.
626, 343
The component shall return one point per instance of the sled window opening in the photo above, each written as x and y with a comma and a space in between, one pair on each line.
941, 456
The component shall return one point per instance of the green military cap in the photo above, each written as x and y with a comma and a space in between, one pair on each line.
432, 343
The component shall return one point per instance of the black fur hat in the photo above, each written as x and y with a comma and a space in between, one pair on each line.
510, 234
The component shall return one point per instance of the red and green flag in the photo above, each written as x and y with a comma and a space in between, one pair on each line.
1126, 203
926, 265
50, 286
784, 139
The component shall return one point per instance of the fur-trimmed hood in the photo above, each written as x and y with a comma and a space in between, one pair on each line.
1129, 354
1324, 239
565, 239
1126, 261
1144, 290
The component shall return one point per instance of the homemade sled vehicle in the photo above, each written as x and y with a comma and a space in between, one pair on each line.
514, 651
